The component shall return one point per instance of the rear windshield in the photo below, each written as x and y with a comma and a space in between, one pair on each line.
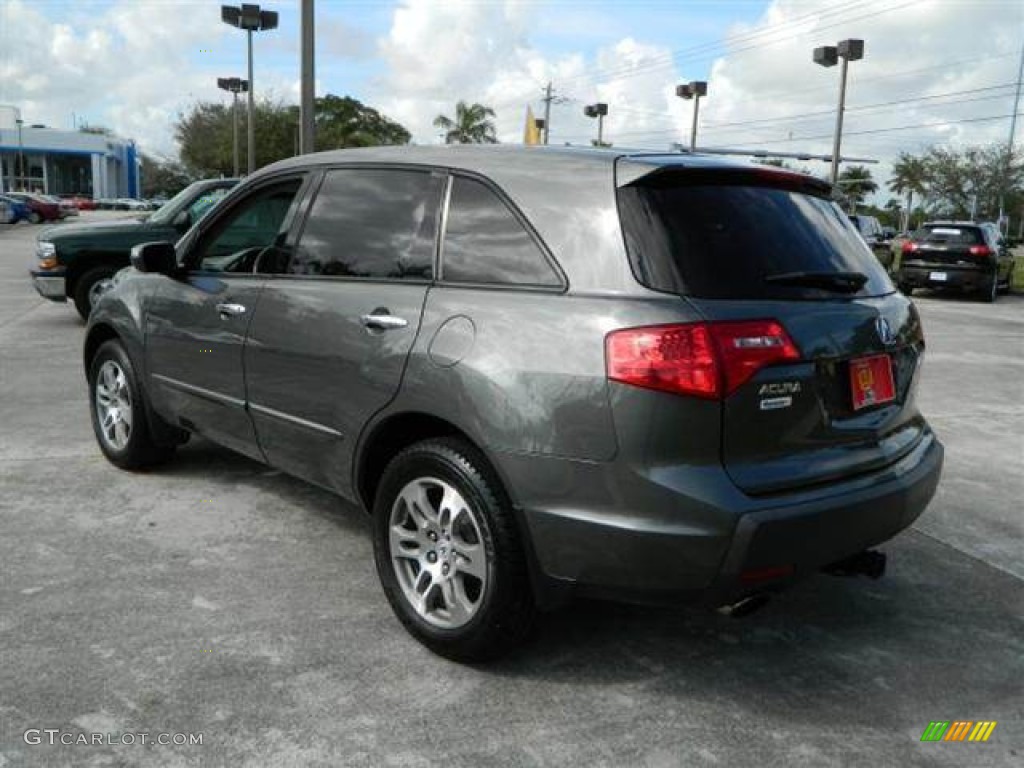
720, 235
941, 234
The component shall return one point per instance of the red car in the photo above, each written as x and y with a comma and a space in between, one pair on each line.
81, 202
40, 209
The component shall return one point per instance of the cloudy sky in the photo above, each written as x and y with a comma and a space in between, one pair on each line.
935, 71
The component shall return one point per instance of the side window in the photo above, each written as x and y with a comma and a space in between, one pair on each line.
485, 243
374, 223
204, 203
254, 225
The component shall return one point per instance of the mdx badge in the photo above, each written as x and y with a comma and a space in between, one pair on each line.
778, 394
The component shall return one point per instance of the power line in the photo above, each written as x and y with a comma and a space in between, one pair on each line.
725, 48
744, 125
671, 58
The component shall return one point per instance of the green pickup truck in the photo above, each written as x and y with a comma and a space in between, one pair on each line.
77, 261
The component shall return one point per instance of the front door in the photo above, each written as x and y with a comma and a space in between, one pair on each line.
196, 326
328, 344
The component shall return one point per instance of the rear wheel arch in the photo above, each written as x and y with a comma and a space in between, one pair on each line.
388, 438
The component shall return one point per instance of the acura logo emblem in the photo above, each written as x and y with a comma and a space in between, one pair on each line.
884, 331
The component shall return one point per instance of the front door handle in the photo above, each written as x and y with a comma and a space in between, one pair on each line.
230, 310
382, 321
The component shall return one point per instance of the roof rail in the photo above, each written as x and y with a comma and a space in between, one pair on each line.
767, 153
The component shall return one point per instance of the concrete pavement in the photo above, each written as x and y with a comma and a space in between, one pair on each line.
217, 597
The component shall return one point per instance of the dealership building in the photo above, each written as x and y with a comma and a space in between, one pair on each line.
36, 158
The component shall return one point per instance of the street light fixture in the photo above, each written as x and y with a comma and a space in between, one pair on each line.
235, 85
251, 19
598, 110
828, 56
693, 90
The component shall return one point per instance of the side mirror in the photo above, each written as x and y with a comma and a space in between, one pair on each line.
156, 258
182, 221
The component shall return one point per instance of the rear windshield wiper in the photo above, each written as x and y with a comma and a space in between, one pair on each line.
840, 282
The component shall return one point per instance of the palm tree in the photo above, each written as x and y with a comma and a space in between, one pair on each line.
909, 175
470, 126
856, 183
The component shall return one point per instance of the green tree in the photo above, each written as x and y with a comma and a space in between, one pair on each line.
346, 122
856, 184
162, 177
471, 125
909, 177
973, 180
205, 133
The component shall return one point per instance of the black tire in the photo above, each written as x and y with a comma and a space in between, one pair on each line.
82, 298
34, 217
1008, 285
140, 450
990, 292
505, 613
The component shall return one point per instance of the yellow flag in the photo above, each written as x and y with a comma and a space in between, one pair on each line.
531, 133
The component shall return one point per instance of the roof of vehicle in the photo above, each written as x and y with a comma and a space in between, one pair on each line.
951, 223
567, 193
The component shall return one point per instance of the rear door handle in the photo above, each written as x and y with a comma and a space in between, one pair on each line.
230, 310
383, 321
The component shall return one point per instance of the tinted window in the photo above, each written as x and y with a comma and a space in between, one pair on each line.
720, 235
254, 225
371, 223
940, 234
486, 243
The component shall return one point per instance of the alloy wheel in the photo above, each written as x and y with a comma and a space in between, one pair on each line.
437, 552
114, 405
98, 288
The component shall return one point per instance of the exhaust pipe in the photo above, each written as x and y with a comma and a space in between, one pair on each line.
744, 607
870, 563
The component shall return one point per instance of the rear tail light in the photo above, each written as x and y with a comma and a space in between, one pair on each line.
708, 360
980, 250
909, 247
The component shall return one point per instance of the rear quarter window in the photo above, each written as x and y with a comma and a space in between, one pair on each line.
721, 234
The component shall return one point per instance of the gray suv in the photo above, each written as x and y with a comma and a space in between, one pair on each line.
544, 372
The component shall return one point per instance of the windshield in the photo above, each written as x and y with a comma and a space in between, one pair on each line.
184, 200
723, 235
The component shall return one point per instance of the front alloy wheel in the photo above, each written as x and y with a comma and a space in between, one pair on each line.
118, 410
113, 405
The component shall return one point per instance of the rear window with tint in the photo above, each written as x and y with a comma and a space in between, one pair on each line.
949, 235
719, 235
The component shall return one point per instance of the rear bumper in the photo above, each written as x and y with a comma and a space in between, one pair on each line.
50, 285
710, 555
955, 277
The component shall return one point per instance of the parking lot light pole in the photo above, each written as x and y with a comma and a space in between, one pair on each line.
251, 19
236, 85
21, 156
828, 56
693, 90
598, 110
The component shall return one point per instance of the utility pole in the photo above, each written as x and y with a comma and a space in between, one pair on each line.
307, 109
547, 111
1013, 133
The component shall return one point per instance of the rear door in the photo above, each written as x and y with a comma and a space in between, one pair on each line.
755, 246
328, 344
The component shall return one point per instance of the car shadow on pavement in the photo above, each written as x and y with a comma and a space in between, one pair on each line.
942, 625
